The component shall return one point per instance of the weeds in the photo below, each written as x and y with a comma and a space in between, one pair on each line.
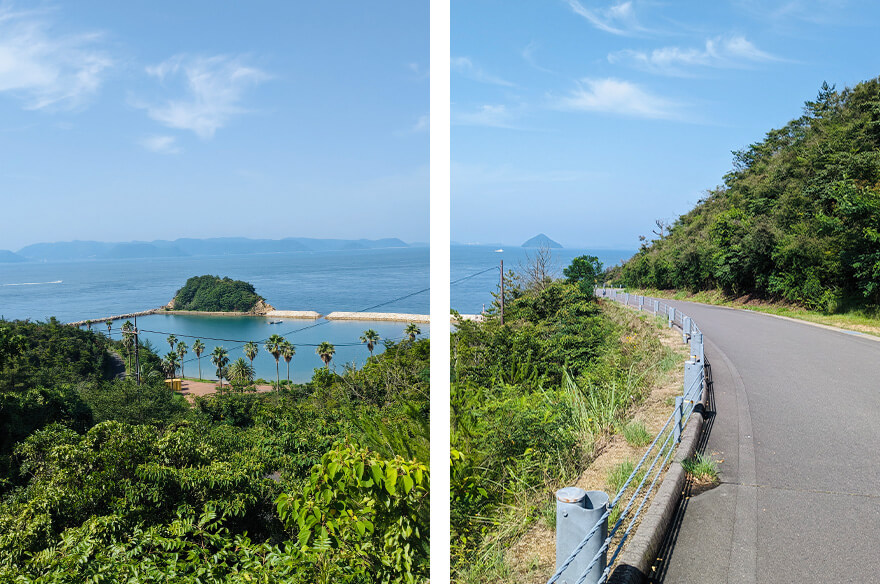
636, 434
702, 468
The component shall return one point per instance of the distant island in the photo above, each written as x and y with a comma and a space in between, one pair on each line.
187, 247
541, 240
216, 294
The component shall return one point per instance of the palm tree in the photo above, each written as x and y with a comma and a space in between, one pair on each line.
326, 351
250, 351
198, 348
109, 325
412, 330
220, 358
128, 339
170, 364
273, 347
172, 340
181, 351
89, 324
370, 337
241, 372
288, 351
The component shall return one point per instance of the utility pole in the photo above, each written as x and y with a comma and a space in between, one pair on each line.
502, 291
137, 354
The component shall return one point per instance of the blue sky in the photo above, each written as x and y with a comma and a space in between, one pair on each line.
148, 120
587, 120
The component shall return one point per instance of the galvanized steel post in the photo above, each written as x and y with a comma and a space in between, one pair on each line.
693, 382
577, 512
697, 347
679, 410
671, 315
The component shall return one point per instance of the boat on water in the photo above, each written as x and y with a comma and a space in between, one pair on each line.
499, 250
275, 322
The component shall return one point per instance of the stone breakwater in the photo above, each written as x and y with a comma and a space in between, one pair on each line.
380, 316
116, 317
299, 314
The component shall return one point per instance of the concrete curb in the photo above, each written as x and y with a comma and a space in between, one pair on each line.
634, 564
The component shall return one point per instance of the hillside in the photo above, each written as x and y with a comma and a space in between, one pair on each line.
797, 218
92, 250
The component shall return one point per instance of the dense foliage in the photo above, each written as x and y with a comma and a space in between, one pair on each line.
109, 481
530, 400
798, 217
215, 294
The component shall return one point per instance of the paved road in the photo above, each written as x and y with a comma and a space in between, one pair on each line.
797, 426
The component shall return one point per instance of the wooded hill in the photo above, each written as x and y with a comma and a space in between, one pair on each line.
216, 294
797, 219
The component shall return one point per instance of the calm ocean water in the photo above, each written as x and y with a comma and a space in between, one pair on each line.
320, 281
469, 296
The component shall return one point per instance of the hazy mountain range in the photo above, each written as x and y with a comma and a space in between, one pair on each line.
186, 247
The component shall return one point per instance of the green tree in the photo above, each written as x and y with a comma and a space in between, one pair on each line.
585, 267
241, 373
172, 340
198, 348
128, 339
182, 348
273, 347
412, 331
370, 337
250, 351
288, 350
220, 358
326, 351
109, 326
169, 364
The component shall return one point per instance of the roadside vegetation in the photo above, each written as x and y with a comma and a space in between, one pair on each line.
796, 222
534, 400
104, 480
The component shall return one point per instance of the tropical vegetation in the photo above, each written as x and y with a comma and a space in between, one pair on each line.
105, 480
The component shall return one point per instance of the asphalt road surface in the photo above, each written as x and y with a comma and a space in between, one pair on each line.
797, 428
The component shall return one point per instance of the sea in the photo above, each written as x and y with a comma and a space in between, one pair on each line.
475, 269
377, 280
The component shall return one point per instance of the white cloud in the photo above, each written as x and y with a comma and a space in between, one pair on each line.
494, 116
465, 67
719, 52
213, 90
619, 18
48, 70
161, 144
619, 97
528, 54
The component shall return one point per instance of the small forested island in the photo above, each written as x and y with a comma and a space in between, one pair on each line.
541, 240
216, 294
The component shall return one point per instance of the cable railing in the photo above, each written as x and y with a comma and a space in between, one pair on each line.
583, 539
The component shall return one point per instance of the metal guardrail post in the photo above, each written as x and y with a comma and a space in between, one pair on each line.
656, 307
679, 411
693, 380
627, 299
577, 512
671, 316
641, 302
685, 329
697, 347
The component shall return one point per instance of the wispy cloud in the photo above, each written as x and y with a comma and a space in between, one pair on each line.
528, 55
615, 96
161, 144
48, 70
619, 18
720, 52
467, 68
493, 116
213, 90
